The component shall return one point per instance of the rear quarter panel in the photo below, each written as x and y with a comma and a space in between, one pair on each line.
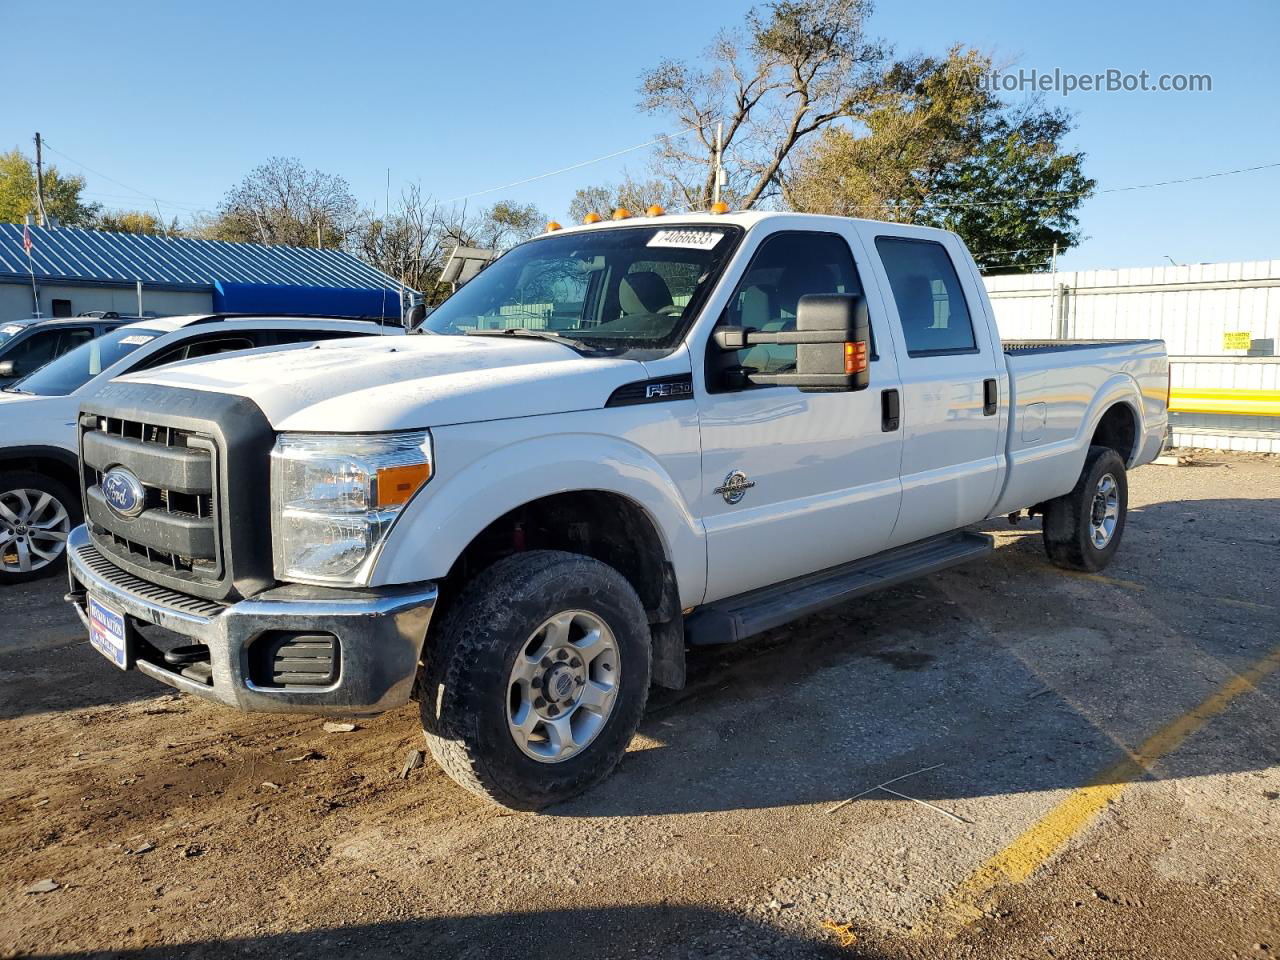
1057, 399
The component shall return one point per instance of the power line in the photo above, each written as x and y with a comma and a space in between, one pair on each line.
575, 166
133, 190
1082, 193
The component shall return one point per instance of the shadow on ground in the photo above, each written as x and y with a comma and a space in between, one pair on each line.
656, 931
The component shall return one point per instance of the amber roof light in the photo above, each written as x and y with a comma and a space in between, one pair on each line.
719, 208
592, 218
552, 226
622, 213
654, 211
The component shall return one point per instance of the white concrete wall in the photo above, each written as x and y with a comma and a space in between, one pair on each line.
15, 300
1188, 307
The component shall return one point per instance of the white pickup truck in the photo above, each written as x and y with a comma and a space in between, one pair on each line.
617, 440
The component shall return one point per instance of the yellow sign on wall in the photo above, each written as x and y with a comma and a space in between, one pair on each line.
1242, 340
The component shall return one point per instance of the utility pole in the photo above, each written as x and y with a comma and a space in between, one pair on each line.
319, 240
718, 177
1053, 296
44, 217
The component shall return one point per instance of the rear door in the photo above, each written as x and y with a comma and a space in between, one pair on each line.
950, 370
793, 482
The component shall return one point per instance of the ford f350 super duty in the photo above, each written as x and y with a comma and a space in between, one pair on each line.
618, 440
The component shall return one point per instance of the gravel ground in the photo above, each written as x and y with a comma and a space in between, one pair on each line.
175, 828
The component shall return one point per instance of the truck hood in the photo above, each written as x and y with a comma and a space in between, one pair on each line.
406, 383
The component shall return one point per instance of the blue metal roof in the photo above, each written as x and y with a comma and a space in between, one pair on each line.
73, 255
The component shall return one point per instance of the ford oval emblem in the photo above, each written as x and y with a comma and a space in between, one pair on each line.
124, 492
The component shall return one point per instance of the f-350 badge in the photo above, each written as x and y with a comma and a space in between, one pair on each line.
735, 487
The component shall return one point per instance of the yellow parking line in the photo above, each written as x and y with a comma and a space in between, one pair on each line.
1020, 859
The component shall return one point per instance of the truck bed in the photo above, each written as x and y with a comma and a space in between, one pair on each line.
1057, 391
1061, 346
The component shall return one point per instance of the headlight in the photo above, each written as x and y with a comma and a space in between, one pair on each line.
334, 497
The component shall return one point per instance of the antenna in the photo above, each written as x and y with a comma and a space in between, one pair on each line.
386, 217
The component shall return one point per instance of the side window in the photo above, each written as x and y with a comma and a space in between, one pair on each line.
207, 348
73, 338
787, 267
931, 305
199, 348
35, 351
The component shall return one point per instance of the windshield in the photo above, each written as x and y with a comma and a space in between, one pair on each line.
74, 369
629, 291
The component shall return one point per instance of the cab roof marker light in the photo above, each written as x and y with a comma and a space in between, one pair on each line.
622, 213
552, 226
654, 211
592, 218
719, 207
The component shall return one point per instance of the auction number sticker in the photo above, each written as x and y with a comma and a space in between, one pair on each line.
12, 328
136, 340
687, 239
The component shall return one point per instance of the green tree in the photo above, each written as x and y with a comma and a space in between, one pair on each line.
62, 193
137, 221
935, 148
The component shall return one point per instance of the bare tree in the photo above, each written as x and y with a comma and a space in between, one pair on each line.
406, 242
796, 67
634, 195
281, 202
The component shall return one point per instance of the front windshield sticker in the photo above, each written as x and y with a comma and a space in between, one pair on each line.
137, 341
12, 328
686, 239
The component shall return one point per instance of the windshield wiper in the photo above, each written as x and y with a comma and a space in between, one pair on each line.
570, 342
13, 389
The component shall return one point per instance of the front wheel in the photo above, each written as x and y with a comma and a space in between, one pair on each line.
1082, 529
36, 514
538, 679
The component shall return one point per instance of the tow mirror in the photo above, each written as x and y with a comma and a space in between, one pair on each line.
832, 339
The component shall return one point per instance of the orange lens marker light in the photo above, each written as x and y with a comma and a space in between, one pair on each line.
397, 484
622, 213
591, 218
719, 208
552, 226
654, 211
855, 357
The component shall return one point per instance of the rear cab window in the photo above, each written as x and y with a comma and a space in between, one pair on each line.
931, 304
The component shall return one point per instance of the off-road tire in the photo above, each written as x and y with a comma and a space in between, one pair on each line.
1067, 525
463, 688
30, 480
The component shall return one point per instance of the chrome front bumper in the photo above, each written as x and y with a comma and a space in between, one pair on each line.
379, 633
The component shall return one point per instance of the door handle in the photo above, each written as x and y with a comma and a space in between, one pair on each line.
890, 411
990, 398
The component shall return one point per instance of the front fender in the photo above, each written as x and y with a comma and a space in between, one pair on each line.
456, 506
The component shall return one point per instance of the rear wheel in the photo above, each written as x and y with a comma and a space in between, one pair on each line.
36, 514
538, 679
1082, 529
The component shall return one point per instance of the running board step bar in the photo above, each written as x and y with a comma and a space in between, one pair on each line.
736, 618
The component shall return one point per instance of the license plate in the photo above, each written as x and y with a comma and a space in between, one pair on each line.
108, 634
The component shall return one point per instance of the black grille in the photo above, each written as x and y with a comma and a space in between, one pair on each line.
177, 529
203, 461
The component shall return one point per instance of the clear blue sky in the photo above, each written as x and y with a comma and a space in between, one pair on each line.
181, 100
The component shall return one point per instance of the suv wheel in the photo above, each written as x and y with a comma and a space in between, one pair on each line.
538, 679
36, 514
1082, 529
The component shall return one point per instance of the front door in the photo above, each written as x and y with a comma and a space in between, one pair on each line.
794, 482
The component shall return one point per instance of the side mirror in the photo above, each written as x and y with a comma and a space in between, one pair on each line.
8, 368
833, 345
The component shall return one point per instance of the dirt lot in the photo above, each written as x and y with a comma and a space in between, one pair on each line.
1100, 757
